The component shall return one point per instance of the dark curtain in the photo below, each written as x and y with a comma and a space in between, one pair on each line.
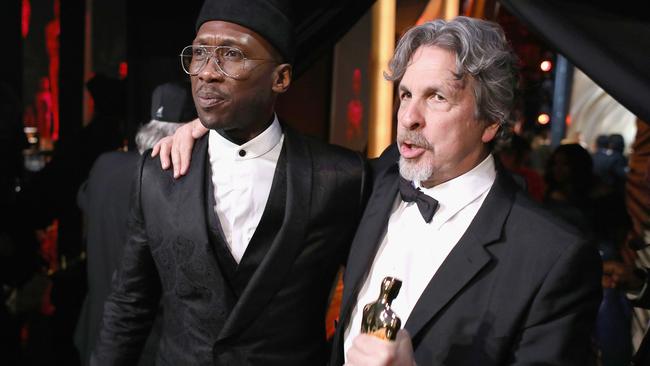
608, 40
320, 24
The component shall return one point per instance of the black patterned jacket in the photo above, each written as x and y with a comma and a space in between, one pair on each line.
278, 319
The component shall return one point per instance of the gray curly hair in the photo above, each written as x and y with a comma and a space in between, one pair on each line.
482, 52
149, 134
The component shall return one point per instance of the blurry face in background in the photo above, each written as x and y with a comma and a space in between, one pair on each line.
438, 135
242, 108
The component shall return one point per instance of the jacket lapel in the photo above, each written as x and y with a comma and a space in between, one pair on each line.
367, 238
286, 245
466, 259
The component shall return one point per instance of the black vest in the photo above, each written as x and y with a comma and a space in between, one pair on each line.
237, 276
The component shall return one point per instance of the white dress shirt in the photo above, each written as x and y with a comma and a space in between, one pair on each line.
242, 177
412, 250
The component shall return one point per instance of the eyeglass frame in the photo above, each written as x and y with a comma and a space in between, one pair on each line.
213, 56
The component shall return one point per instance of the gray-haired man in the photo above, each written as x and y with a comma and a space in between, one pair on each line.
490, 279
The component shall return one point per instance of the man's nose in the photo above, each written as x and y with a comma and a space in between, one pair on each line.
411, 117
211, 70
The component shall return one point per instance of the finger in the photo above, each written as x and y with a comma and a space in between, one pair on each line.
404, 346
197, 129
373, 348
182, 145
155, 150
164, 155
176, 157
185, 154
403, 336
357, 356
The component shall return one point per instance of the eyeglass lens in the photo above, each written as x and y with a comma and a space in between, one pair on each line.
228, 59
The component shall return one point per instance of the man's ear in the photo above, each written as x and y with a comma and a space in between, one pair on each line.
282, 78
489, 132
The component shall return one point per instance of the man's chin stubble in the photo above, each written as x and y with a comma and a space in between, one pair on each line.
411, 170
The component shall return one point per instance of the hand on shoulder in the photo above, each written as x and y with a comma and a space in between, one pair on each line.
176, 150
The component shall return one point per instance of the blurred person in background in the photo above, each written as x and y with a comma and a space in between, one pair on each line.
48, 204
514, 156
20, 275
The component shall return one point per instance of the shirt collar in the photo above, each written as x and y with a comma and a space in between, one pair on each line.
455, 194
258, 146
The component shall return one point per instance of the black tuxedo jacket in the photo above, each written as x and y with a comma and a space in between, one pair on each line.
519, 288
278, 319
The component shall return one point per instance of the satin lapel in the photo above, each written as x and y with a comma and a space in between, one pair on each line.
467, 258
286, 245
189, 195
367, 238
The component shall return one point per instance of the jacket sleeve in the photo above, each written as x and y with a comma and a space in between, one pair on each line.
562, 315
130, 309
363, 174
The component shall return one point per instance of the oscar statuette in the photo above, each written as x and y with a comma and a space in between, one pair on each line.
379, 319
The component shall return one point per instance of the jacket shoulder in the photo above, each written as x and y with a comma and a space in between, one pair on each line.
528, 219
344, 171
388, 158
326, 156
324, 150
151, 168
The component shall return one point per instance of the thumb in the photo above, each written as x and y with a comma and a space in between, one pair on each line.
404, 348
197, 129
403, 336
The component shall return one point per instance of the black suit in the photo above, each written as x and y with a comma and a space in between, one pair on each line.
277, 316
518, 288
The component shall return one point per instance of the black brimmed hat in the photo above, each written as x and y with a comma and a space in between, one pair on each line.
269, 18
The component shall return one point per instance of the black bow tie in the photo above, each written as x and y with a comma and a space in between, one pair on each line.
426, 204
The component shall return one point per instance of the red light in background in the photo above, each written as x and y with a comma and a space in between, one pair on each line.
543, 118
568, 120
123, 70
25, 16
546, 65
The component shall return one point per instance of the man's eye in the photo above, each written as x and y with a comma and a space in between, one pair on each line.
405, 95
438, 98
233, 55
199, 52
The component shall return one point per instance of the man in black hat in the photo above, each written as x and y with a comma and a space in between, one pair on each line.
104, 200
242, 251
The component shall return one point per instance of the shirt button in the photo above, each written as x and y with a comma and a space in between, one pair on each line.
242, 153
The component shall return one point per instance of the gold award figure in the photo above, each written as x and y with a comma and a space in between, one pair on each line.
379, 319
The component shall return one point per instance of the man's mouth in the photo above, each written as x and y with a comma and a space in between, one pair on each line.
409, 150
209, 99
208, 102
